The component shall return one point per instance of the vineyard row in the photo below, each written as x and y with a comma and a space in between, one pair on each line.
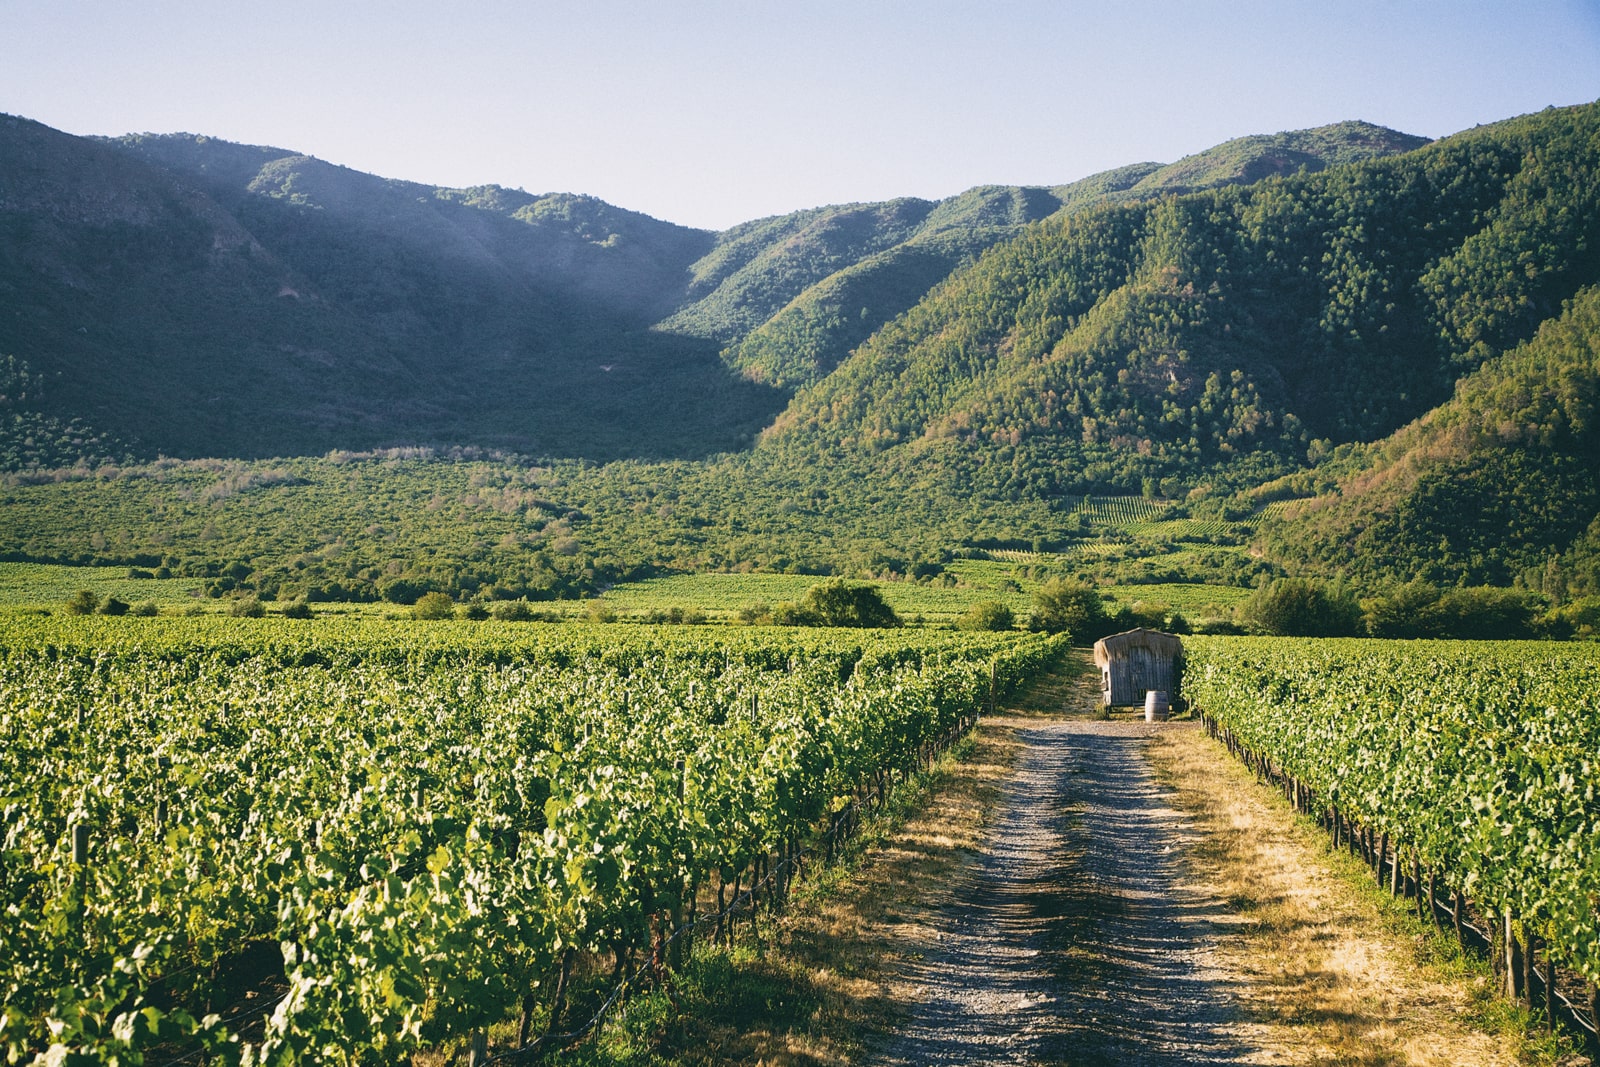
1464, 774
406, 846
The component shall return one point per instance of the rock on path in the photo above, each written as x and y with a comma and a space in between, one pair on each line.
1075, 938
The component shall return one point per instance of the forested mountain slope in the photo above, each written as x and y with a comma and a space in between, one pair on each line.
1219, 348
1495, 485
195, 297
797, 336
1248, 327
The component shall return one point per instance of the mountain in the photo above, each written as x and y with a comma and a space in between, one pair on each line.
195, 297
190, 296
1393, 347
804, 333
1247, 328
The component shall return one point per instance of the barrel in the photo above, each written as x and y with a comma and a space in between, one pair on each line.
1156, 707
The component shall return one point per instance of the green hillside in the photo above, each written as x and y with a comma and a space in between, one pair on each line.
1133, 390
801, 342
1246, 329
1494, 486
194, 297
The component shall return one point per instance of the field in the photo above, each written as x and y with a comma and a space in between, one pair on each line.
1188, 598
425, 826
43, 585
1129, 545
419, 826
719, 597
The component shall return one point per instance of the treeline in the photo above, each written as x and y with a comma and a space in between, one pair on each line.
1307, 607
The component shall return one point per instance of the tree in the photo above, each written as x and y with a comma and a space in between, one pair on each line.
987, 615
1069, 606
840, 603
434, 606
1303, 607
83, 602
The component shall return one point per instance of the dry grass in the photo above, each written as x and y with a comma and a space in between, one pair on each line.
1328, 974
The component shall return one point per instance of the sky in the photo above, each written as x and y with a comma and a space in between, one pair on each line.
712, 113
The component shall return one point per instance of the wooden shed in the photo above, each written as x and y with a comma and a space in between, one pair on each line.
1133, 663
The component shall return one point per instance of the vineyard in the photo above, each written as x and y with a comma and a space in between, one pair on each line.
1466, 774
247, 842
1120, 511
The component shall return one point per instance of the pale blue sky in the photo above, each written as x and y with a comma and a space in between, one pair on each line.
712, 113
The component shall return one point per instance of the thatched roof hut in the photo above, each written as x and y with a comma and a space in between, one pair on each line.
1134, 663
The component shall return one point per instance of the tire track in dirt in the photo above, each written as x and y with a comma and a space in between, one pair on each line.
1075, 937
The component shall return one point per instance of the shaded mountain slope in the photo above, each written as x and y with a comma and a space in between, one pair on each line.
199, 298
577, 245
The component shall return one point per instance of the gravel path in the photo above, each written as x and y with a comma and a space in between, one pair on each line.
1075, 938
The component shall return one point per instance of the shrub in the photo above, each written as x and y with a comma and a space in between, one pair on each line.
247, 607
1418, 609
1581, 618
145, 609
474, 613
1484, 613
298, 609
1069, 606
112, 606
754, 614
1303, 607
512, 611
599, 611
1151, 616
788, 613
83, 602
987, 615
434, 605
1402, 611
406, 590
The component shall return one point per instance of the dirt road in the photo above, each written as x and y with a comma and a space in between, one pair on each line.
1138, 899
1076, 936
